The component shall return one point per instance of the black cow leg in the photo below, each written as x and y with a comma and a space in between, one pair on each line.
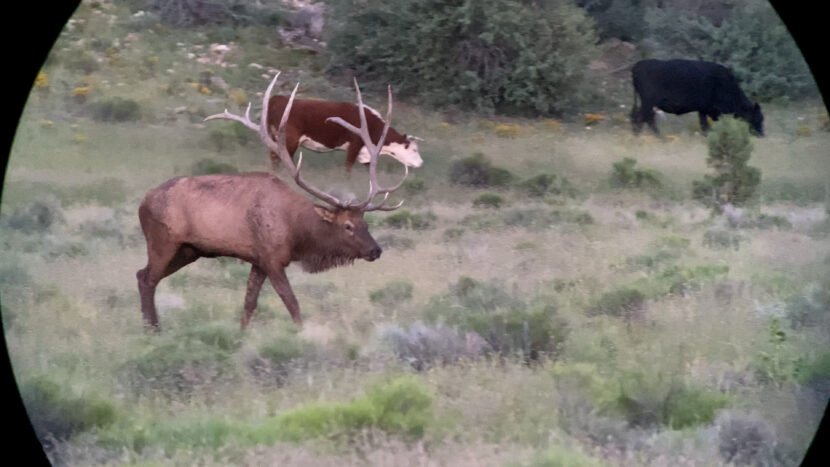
704, 123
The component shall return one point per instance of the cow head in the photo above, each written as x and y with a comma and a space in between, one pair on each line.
404, 149
755, 118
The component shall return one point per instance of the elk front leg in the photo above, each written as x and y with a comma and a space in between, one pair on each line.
280, 283
255, 281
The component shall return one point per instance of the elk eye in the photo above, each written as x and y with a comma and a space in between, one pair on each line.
348, 226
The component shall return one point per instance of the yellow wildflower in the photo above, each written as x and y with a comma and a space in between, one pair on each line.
591, 119
42, 80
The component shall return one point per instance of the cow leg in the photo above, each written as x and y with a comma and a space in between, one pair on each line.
292, 143
163, 260
280, 283
636, 121
351, 154
704, 122
255, 281
648, 116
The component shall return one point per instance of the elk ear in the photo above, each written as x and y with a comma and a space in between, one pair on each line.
324, 213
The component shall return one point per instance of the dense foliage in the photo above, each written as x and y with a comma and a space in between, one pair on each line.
513, 56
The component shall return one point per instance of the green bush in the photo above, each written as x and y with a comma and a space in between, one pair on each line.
392, 293
116, 109
478, 171
405, 219
38, 216
544, 184
276, 358
504, 55
729, 150
414, 186
400, 406
508, 325
228, 136
55, 414
489, 200
625, 175
177, 369
649, 398
722, 238
625, 303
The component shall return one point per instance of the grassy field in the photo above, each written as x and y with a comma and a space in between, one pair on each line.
574, 323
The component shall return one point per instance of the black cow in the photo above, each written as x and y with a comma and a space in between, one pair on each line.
682, 86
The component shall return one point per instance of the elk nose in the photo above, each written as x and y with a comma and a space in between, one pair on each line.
375, 253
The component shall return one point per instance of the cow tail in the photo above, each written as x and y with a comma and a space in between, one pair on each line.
634, 108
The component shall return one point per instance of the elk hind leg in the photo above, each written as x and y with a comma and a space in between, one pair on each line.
163, 260
255, 281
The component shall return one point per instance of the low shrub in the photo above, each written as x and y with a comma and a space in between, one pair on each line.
478, 171
222, 337
722, 239
625, 175
489, 200
177, 369
392, 293
452, 233
229, 136
766, 221
116, 109
811, 308
508, 325
544, 184
536, 218
621, 303
210, 167
414, 186
744, 438
423, 346
649, 398
57, 415
478, 223
406, 219
401, 406
275, 359
38, 216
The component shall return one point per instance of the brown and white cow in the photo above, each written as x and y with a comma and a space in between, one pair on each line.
309, 126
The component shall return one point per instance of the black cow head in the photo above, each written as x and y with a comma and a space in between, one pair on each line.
756, 121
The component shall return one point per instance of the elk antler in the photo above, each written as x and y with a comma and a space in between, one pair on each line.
374, 150
278, 147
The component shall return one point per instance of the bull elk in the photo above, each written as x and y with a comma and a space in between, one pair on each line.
256, 217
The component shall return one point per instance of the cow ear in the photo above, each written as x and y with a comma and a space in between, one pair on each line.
324, 213
757, 108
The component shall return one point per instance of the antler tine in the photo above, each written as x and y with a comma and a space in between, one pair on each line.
278, 146
373, 148
246, 120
